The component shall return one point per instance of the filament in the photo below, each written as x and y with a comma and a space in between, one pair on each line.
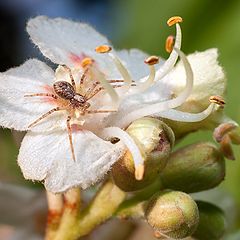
170, 62
130, 144
180, 116
107, 86
163, 106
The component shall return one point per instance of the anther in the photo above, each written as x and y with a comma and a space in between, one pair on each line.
169, 43
218, 100
86, 62
152, 60
173, 20
139, 172
103, 49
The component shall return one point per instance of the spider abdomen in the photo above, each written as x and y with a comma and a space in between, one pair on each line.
64, 90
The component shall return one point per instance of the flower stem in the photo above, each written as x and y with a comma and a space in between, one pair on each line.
102, 207
72, 204
55, 208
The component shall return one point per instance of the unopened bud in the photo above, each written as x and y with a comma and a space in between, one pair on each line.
194, 168
173, 214
154, 139
212, 223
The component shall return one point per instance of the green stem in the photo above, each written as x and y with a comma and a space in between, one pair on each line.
102, 207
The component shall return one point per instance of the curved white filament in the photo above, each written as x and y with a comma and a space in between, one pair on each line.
123, 71
162, 106
170, 62
142, 86
127, 140
107, 86
180, 116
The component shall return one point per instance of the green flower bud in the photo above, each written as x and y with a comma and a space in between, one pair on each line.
172, 214
154, 139
194, 168
212, 222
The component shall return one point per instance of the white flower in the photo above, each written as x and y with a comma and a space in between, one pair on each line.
72, 113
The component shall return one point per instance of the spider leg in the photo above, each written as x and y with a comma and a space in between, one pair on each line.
84, 76
70, 137
92, 94
41, 95
100, 111
44, 115
71, 76
91, 90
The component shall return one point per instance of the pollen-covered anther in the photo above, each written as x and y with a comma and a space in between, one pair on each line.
152, 60
103, 49
169, 43
139, 172
173, 20
87, 62
218, 100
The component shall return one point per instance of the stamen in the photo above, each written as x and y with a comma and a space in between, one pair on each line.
169, 43
141, 87
123, 71
107, 86
170, 62
103, 49
223, 129
179, 116
131, 145
87, 62
218, 100
139, 172
173, 20
152, 60
163, 106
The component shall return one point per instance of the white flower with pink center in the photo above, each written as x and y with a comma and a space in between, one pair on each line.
72, 114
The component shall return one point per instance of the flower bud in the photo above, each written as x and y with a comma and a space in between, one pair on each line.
212, 222
154, 139
173, 214
194, 168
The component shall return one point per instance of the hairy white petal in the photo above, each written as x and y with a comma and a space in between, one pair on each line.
17, 111
209, 77
48, 157
62, 40
59, 39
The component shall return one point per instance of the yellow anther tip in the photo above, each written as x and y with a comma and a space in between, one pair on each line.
103, 49
86, 62
139, 172
152, 60
173, 20
169, 43
217, 99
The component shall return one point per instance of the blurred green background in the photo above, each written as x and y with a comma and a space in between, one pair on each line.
207, 24
142, 24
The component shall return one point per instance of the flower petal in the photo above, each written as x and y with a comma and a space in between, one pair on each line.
209, 77
64, 41
19, 112
48, 157
67, 42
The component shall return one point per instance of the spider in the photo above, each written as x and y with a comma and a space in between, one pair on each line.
66, 92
